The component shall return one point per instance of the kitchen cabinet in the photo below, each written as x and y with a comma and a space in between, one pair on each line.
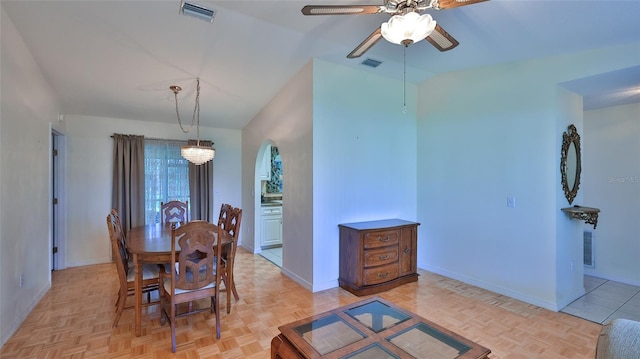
378, 255
271, 226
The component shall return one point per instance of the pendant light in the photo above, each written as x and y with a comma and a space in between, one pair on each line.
195, 154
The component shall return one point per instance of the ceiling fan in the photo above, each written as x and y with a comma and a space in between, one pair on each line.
406, 25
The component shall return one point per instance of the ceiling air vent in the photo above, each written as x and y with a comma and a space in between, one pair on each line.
371, 63
197, 11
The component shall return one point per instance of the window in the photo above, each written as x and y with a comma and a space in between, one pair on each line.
166, 176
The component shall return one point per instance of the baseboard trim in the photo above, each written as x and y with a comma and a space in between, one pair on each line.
297, 279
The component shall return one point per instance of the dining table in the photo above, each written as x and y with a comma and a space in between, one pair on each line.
151, 243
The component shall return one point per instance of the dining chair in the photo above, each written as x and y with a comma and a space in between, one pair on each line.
174, 211
229, 221
126, 273
195, 273
119, 232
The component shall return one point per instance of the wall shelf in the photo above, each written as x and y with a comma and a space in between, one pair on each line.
587, 214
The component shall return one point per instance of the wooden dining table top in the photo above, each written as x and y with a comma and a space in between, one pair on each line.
156, 239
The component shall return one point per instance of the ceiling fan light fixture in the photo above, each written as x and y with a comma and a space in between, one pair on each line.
407, 29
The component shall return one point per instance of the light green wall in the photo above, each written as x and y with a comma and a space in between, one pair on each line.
611, 182
348, 154
569, 247
490, 133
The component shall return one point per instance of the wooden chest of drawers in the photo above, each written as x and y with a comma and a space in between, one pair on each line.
378, 255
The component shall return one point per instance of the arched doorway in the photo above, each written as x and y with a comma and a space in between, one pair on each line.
268, 206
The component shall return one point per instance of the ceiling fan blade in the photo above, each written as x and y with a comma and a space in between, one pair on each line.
366, 44
449, 4
341, 9
441, 39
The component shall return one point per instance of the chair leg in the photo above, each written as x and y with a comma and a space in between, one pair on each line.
216, 305
232, 282
164, 301
228, 288
122, 298
163, 317
235, 292
173, 328
173, 337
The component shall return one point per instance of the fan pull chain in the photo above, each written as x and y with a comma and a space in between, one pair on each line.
404, 82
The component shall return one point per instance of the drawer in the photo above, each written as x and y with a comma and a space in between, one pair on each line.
380, 274
383, 238
272, 210
380, 256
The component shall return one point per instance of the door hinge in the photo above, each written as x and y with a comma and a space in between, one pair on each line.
55, 250
55, 152
55, 201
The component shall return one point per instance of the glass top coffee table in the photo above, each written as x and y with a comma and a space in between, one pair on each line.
371, 329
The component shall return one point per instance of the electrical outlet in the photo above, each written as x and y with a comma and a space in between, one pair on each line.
21, 280
571, 264
511, 202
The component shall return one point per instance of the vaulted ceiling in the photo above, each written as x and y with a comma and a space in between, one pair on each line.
118, 58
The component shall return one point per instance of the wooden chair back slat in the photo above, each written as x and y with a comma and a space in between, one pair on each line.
174, 211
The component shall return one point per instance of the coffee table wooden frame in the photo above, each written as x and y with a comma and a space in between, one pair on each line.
290, 344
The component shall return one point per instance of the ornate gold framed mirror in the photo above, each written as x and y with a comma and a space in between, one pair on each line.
570, 163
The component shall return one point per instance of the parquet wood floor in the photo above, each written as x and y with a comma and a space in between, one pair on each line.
74, 318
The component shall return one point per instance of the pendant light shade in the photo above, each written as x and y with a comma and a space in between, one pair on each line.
197, 154
407, 29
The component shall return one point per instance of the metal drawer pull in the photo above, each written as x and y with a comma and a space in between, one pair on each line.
407, 250
383, 257
380, 275
385, 239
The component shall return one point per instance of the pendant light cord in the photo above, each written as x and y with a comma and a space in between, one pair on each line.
196, 111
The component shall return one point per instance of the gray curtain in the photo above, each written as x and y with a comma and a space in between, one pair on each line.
127, 194
201, 187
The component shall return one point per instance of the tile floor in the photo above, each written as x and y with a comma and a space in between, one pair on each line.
606, 300
274, 255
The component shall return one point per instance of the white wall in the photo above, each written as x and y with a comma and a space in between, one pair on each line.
29, 109
488, 133
89, 177
364, 157
611, 182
